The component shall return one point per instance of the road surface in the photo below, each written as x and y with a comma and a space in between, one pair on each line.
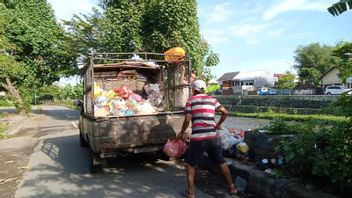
54, 165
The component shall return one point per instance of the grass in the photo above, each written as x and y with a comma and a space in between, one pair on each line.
3, 127
291, 117
5, 103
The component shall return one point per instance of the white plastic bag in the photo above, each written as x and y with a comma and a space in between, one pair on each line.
227, 139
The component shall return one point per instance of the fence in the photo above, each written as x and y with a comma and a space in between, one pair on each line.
303, 104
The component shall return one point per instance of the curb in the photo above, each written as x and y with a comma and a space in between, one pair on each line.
264, 185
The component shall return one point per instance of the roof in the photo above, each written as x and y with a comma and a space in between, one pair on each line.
253, 74
279, 75
227, 76
329, 70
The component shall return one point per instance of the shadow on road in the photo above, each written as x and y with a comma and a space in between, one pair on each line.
67, 174
59, 114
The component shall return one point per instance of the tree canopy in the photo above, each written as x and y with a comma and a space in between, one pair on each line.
314, 60
287, 81
155, 26
340, 7
36, 48
344, 52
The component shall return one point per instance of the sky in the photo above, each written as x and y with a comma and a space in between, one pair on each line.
253, 34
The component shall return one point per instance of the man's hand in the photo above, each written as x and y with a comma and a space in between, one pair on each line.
218, 127
179, 136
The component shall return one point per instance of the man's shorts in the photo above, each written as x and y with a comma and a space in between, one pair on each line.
211, 146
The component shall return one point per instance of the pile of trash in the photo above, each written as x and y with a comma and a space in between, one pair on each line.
122, 101
232, 141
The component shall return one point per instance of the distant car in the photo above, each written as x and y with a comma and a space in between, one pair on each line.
266, 91
336, 90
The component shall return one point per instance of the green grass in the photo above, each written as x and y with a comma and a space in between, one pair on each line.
290, 117
3, 127
5, 103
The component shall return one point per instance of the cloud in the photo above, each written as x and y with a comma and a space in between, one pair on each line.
64, 9
253, 33
291, 5
219, 13
214, 36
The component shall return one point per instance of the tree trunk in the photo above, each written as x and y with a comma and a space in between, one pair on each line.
14, 93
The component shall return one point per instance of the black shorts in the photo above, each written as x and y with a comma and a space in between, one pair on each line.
211, 146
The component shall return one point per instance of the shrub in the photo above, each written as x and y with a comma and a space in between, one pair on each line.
322, 155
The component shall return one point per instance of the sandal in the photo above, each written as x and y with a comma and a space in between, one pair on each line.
186, 194
233, 192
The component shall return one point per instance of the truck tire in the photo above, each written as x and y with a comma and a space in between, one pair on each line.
82, 141
95, 163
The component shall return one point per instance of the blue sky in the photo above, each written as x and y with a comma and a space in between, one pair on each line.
254, 34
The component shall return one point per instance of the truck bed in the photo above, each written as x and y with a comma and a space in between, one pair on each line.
111, 135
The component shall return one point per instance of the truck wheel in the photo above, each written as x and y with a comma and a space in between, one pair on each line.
95, 163
82, 141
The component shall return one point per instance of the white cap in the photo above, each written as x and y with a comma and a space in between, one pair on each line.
199, 85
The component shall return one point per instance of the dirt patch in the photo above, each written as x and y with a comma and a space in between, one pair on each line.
15, 153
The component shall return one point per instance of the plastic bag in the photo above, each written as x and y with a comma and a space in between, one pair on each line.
146, 108
227, 139
243, 147
151, 88
175, 54
174, 148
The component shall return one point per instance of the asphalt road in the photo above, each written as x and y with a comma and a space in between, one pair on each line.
58, 167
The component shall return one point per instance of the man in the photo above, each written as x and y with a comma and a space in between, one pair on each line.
201, 108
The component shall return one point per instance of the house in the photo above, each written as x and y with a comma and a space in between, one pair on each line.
331, 77
244, 82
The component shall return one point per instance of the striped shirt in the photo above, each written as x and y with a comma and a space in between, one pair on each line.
202, 107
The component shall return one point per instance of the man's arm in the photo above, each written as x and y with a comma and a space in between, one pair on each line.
223, 117
185, 125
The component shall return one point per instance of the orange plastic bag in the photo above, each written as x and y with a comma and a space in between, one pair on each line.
174, 148
175, 54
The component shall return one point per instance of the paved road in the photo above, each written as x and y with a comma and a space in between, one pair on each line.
58, 167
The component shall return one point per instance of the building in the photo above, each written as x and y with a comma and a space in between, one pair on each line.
245, 82
332, 77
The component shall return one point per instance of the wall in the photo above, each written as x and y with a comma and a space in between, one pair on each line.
331, 77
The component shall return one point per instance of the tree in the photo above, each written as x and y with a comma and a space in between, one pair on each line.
41, 48
287, 81
338, 8
168, 24
314, 60
344, 52
9, 67
127, 26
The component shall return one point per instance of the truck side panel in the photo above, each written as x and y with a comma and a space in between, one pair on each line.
130, 134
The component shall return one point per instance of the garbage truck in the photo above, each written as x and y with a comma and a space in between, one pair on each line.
132, 103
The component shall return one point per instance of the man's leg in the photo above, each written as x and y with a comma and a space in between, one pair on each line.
191, 172
226, 171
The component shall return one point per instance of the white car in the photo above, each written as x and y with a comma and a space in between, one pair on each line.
336, 90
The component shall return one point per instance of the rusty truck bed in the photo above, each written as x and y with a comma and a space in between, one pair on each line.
140, 133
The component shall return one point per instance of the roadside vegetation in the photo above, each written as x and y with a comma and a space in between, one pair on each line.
321, 151
292, 117
4, 102
3, 127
